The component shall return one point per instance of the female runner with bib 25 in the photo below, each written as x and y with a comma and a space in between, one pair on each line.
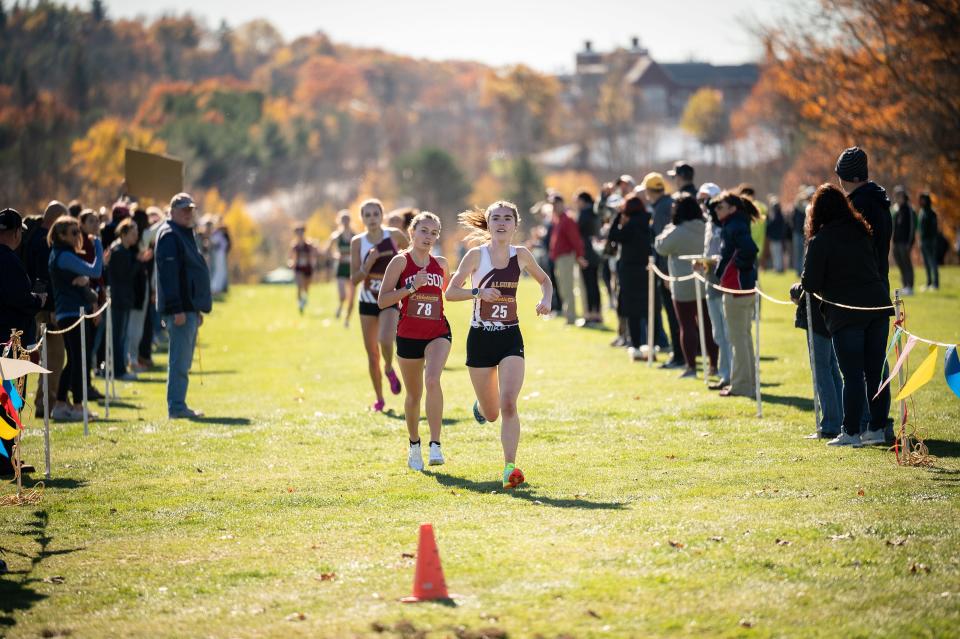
494, 344
416, 280
370, 252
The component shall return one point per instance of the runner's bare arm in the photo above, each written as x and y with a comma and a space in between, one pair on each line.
399, 238
469, 264
356, 263
389, 294
442, 261
529, 263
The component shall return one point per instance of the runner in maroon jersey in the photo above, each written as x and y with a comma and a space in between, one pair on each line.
303, 258
416, 280
370, 252
494, 344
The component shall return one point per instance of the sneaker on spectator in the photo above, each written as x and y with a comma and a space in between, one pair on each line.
186, 413
63, 413
873, 437
843, 439
129, 376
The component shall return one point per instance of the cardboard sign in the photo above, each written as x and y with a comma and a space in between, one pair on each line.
150, 175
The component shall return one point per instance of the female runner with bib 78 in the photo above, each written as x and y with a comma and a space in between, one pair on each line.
416, 280
494, 344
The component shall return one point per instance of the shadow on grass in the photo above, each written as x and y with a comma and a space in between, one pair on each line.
62, 482
524, 492
223, 421
942, 447
119, 403
803, 403
17, 588
229, 371
446, 421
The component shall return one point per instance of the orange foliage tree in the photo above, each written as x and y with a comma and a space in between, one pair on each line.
885, 78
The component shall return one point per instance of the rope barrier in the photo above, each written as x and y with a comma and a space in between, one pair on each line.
891, 307
72, 326
756, 289
671, 278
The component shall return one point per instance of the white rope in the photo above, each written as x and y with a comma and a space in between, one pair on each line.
856, 308
671, 278
72, 326
926, 341
68, 329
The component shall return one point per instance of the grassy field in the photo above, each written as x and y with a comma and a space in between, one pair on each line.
653, 507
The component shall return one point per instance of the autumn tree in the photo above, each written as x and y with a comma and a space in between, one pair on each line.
527, 106
98, 157
705, 117
885, 78
432, 178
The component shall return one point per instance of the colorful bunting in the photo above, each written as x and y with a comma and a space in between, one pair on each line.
951, 370
921, 376
911, 342
14, 395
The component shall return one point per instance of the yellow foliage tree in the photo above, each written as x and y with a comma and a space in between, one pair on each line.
245, 241
486, 189
98, 157
569, 183
321, 223
705, 118
212, 203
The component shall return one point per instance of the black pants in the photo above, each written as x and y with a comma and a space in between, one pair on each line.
861, 351
664, 299
74, 376
145, 348
591, 283
607, 274
637, 325
901, 253
556, 304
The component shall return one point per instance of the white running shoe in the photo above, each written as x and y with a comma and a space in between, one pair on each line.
436, 455
873, 437
415, 457
844, 439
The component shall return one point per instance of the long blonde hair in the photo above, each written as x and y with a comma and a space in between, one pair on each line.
476, 220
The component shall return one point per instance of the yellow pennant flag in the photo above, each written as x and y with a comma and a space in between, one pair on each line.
921, 376
7, 431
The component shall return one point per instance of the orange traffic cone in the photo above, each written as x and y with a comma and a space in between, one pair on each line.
428, 582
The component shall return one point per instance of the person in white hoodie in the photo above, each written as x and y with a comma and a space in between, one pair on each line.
684, 236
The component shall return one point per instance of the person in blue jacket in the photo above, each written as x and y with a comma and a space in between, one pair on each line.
70, 276
183, 293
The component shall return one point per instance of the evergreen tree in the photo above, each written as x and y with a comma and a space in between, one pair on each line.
526, 184
98, 11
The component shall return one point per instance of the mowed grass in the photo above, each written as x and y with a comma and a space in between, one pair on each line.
653, 506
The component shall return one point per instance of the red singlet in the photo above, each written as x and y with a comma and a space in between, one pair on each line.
421, 313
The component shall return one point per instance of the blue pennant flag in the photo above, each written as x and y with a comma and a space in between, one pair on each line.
14, 395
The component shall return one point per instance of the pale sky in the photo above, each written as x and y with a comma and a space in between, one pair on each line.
544, 34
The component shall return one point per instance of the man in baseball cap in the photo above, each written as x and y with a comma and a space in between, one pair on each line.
183, 294
10, 219
682, 174
182, 201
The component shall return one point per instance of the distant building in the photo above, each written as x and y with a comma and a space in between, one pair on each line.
659, 90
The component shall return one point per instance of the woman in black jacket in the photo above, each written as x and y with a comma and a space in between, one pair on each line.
631, 230
841, 267
589, 223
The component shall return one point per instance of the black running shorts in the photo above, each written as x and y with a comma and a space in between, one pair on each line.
488, 348
366, 308
409, 348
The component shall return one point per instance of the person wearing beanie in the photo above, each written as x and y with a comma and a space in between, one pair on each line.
870, 200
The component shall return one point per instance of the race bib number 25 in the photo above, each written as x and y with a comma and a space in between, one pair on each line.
503, 310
